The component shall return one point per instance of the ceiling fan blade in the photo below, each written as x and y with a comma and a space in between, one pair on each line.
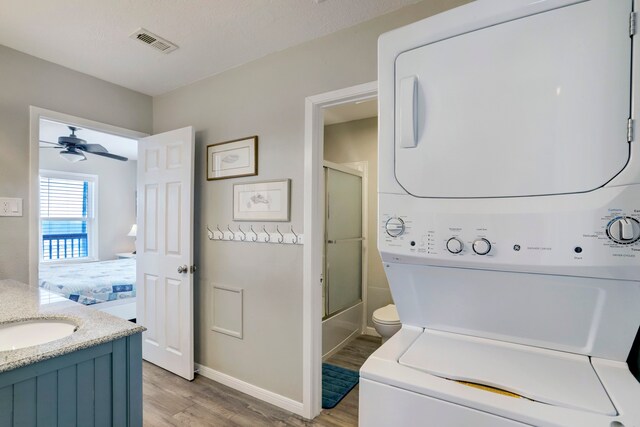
109, 155
92, 148
47, 142
55, 148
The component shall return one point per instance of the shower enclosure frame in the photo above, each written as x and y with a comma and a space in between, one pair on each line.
334, 324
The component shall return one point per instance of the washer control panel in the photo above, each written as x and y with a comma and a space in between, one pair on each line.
624, 230
455, 245
593, 234
394, 226
481, 246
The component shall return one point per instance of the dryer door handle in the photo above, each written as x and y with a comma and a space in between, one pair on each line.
408, 103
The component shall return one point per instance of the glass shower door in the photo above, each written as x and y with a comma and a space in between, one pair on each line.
343, 242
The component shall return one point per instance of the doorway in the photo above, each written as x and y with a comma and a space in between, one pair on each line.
314, 218
54, 121
87, 217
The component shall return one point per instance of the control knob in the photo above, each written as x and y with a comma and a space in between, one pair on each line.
454, 245
394, 226
624, 230
481, 246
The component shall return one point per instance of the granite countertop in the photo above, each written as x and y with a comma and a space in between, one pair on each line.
19, 301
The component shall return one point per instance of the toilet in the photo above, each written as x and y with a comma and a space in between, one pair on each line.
386, 321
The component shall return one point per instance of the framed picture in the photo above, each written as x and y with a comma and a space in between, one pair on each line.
232, 159
262, 201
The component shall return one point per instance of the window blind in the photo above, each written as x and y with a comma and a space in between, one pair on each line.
65, 214
63, 198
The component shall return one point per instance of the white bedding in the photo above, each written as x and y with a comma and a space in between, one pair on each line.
90, 282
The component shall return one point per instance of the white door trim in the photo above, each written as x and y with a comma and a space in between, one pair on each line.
35, 114
314, 241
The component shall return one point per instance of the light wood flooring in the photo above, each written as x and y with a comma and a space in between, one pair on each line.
172, 401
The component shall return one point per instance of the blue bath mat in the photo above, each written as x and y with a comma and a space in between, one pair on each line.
336, 383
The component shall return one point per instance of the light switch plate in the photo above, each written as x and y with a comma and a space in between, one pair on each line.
10, 206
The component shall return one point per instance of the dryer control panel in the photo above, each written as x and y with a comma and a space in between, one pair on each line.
624, 230
594, 234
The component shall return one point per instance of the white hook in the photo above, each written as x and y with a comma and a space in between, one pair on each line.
253, 236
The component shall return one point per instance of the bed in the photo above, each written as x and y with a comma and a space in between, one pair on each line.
109, 285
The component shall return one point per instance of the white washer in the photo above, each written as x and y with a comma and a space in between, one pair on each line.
508, 162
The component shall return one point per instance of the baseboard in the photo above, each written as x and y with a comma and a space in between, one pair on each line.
371, 331
252, 390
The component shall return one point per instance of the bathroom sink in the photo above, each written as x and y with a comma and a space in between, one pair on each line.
28, 333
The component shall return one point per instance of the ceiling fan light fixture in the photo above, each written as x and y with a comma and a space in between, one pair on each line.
72, 156
71, 139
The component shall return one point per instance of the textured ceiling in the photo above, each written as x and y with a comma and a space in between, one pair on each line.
92, 36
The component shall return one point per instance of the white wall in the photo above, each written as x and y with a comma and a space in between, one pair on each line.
25, 81
116, 197
356, 141
266, 98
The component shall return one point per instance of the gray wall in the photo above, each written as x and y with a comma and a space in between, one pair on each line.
25, 81
266, 98
116, 197
353, 142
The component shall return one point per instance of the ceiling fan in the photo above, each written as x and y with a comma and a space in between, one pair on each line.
73, 147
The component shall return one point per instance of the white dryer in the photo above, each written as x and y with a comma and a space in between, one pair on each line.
509, 215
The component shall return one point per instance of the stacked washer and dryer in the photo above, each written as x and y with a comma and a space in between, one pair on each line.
509, 211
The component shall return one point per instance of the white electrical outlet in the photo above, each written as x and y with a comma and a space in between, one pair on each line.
10, 206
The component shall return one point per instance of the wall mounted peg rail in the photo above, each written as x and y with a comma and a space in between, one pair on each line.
263, 235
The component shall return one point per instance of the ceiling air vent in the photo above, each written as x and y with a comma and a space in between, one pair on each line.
150, 39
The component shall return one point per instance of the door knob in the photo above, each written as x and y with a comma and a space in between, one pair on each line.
183, 269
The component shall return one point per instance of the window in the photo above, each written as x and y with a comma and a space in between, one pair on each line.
67, 216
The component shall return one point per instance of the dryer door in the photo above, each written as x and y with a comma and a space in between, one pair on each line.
534, 106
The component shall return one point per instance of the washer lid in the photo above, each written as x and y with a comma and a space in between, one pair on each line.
534, 106
547, 376
387, 315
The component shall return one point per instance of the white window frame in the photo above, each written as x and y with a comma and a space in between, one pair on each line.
92, 221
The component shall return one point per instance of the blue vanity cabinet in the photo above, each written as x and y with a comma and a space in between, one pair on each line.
96, 386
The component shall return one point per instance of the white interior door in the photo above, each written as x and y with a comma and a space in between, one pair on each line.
164, 249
